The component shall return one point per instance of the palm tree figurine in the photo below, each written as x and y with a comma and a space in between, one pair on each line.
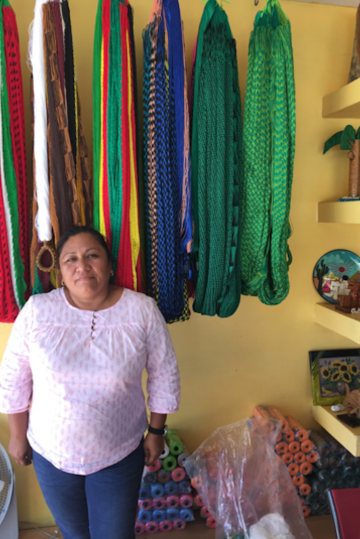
349, 139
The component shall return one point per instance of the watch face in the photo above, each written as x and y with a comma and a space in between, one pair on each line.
165, 430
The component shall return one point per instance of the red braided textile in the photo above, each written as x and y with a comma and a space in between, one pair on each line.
106, 38
17, 126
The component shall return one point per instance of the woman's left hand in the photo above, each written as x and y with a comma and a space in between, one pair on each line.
153, 447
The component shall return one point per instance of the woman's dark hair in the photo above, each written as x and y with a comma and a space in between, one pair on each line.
74, 231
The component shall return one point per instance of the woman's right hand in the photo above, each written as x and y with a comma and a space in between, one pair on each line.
20, 450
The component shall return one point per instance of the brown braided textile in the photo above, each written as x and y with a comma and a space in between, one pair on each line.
83, 173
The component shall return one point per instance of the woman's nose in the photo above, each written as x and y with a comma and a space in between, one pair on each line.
82, 264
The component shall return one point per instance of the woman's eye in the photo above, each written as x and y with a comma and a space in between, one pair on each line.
92, 256
70, 260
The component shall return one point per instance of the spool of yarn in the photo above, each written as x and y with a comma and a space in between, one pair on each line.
312, 457
335, 461
322, 463
174, 442
186, 500
282, 448
169, 463
287, 458
199, 501
185, 487
155, 466
182, 458
294, 447
173, 501
159, 515
166, 526
144, 492
152, 527
157, 490
178, 474
288, 436
139, 528
306, 511
204, 512
150, 478
274, 413
163, 476
305, 468
197, 482
171, 487
299, 457
298, 479
293, 469
145, 504
262, 413
335, 446
322, 475
187, 514
210, 522
307, 446
159, 503
305, 489
172, 513
322, 447
144, 516
179, 524
165, 452
300, 432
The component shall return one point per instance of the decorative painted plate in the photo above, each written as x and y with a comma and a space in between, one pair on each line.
334, 272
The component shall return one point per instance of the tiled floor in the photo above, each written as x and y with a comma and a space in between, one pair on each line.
320, 527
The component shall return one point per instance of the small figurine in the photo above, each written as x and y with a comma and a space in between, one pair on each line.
348, 140
352, 401
351, 302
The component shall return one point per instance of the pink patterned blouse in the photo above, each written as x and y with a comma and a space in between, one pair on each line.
81, 372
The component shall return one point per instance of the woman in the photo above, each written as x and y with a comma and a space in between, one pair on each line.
77, 355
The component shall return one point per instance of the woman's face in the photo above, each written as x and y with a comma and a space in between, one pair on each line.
85, 266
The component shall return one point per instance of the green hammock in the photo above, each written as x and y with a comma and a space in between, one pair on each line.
269, 148
216, 166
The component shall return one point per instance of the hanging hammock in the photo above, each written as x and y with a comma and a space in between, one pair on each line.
62, 186
14, 252
116, 206
269, 148
166, 161
216, 165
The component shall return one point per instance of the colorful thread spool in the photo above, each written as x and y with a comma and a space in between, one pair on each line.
178, 474
179, 524
144, 516
174, 442
305, 489
163, 476
282, 448
274, 412
300, 433
307, 446
186, 500
150, 478
139, 528
287, 458
293, 469
145, 504
299, 457
165, 452
157, 490
298, 479
171, 487
294, 447
166, 526
186, 514
172, 513
197, 482
210, 522
152, 527
169, 463
305, 468
261, 413
172, 501
204, 512
322, 447
306, 511
144, 492
155, 466
182, 458
159, 503
159, 515
289, 436
185, 487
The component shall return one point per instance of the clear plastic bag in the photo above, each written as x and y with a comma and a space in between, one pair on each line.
245, 485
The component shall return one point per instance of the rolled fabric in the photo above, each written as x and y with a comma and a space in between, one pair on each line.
171, 487
178, 474
300, 433
293, 469
165, 453
288, 436
144, 516
305, 489
294, 447
312, 457
282, 448
157, 490
150, 478
152, 527
186, 500
307, 446
204, 512
159, 515
187, 514
299, 457
199, 501
305, 468
298, 479
169, 463
145, 504
210, 522
179, 524
155, 466
163, 476
173, 501
287, 458
159, 503
174, 442
166, 526
172, 513
185, 487
144, 492
139, 528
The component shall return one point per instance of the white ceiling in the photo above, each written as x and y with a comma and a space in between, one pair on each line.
345, 3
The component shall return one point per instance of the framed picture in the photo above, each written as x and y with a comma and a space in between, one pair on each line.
331, 371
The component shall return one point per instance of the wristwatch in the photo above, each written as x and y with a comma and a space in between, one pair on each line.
158, 432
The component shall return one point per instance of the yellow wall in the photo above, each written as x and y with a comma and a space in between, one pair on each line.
260, 355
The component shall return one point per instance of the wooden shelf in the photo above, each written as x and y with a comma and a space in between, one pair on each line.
348, 437
339, 212
347, 325
344, 103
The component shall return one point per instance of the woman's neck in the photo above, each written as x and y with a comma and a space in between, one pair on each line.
103, 300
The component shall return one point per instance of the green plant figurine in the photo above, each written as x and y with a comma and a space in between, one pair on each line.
349, 139
321, 270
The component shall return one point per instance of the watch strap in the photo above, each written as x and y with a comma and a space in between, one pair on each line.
158, 432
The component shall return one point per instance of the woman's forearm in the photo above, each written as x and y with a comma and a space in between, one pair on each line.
157, 421
18, 424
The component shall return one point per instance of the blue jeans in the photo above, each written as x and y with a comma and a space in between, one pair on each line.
101, 505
